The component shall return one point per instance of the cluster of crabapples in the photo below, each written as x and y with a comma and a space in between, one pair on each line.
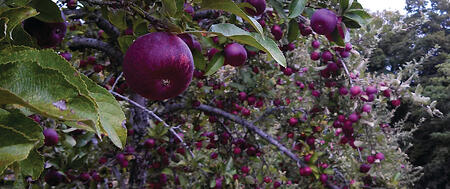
170, 73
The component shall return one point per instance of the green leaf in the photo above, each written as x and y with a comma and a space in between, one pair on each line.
328, 171
19, 181
230, 6
48, 11
22, 38
315, 171
140, 27
167, 171
315, 156
361, 13
112, 118
293, 31
33, 165
125, 42
21, 124
359, 16
69, 141
199, 60
254, 39
16, 16
169, 7
278, 6
215, 64
350, 23
344, 5
296, 8
249, 179
17, 3
46, 83
183, 180
117, 17
246, 5
18, 136
356, 5
229, 166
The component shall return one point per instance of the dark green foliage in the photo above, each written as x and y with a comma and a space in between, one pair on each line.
428, 26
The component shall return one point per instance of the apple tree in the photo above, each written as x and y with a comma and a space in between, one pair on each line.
197, 94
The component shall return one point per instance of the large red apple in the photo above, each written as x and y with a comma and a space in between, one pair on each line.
158, 66
323, 21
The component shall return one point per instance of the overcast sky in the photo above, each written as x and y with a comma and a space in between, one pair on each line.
379, 5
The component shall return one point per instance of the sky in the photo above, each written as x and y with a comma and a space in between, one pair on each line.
379, 5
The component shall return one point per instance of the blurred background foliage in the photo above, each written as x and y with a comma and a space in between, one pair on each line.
404, 38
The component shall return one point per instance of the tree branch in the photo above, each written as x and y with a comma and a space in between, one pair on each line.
274, 110
251, 127
205, 14
74, 14
107, 3
154, 21
106, 26
101, 22
246, 124
78, 43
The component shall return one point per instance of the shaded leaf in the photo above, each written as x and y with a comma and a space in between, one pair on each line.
293, 31
23, 135
16, 16
199, 60
278, 7
17, 3
230, 6
48, 11
215, 64
296, 8
33, 165
117, 17
344, 5
125, 42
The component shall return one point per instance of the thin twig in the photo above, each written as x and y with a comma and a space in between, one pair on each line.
116, 81
154, 21
119, 177
154, 116
360, 157
347, 72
